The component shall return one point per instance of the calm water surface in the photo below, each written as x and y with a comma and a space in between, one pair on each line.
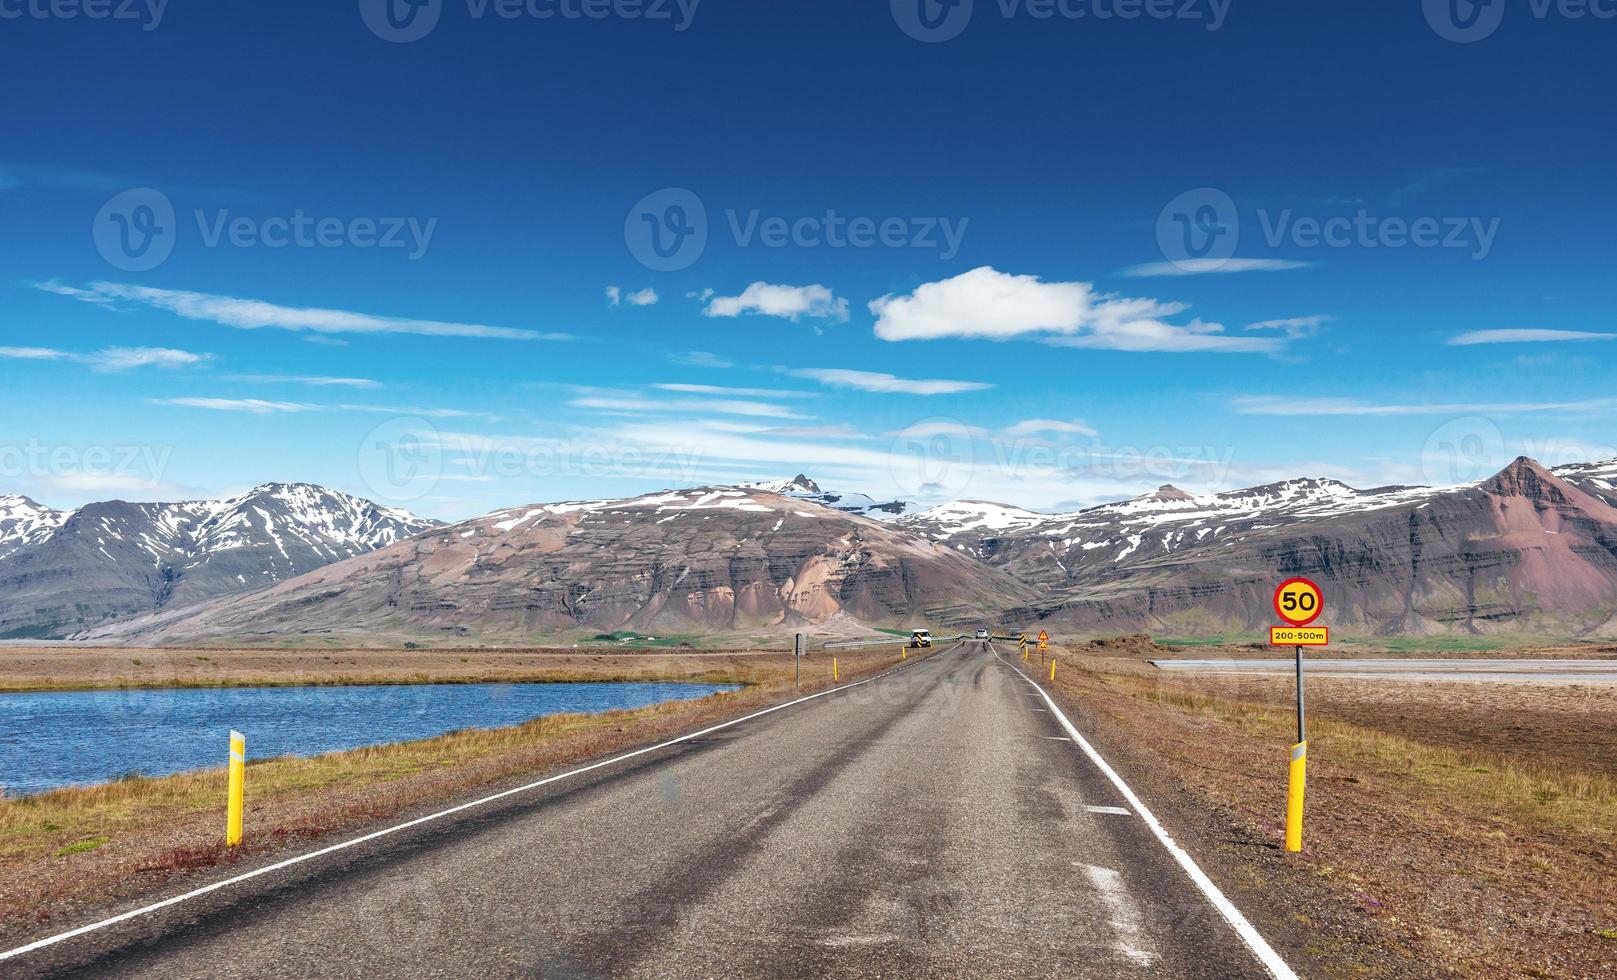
80, 737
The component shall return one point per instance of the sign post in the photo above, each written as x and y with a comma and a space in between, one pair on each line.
1298, 602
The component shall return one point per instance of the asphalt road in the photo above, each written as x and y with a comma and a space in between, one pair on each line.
935, 822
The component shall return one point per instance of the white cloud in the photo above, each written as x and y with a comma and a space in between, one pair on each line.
125, 358
790, 302
254, 406
689, 389
112, 358
885, 383
258, 406
639, 404
252, 314
640, 297
926, 430
1033, 427
1525, 337
702, 359
33, 354
1203, 267
988, 304
1277, 405
314, 381
1296, 327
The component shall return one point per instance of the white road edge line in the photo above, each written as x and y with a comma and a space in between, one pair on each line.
418, 821
1254, 941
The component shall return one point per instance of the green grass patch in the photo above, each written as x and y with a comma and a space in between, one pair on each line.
82, 847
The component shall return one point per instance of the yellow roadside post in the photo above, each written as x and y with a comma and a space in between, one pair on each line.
1299, 602
836, 673
238, 787
1294, 797
1052, 669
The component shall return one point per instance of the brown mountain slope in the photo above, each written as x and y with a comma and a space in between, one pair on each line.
709, 560
1525, 551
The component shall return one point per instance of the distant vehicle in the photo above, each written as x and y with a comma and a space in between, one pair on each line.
920, 639
982, 634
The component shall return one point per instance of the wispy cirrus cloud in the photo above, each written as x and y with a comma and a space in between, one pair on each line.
1475, 337
991, 305
701, 359
110, 359
789, 302
633, 403
1035, 427
313, 381
252, 406
1295, 327
253, 314
1205, 267
693, 389
260, 406
885, 383
1277, 405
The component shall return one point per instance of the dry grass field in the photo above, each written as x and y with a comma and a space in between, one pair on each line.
1452, 829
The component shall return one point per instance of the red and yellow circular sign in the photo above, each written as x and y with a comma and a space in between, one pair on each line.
1299, 601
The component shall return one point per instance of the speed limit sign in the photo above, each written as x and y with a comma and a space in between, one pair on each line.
1299, 601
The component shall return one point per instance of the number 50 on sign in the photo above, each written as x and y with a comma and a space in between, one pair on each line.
1299, 602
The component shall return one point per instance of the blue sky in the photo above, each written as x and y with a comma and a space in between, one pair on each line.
1052, 260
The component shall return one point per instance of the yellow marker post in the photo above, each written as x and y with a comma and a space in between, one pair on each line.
1294, 797
836, 673
238, 788
1052, 669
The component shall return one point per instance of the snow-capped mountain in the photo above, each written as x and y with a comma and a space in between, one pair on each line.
703, 560
63, 570
24, 522
804, 488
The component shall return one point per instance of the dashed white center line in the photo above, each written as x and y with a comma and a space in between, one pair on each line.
1113, 810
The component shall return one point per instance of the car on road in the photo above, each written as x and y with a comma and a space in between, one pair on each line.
982, 634
920, 639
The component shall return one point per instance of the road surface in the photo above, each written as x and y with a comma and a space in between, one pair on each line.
935, 822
